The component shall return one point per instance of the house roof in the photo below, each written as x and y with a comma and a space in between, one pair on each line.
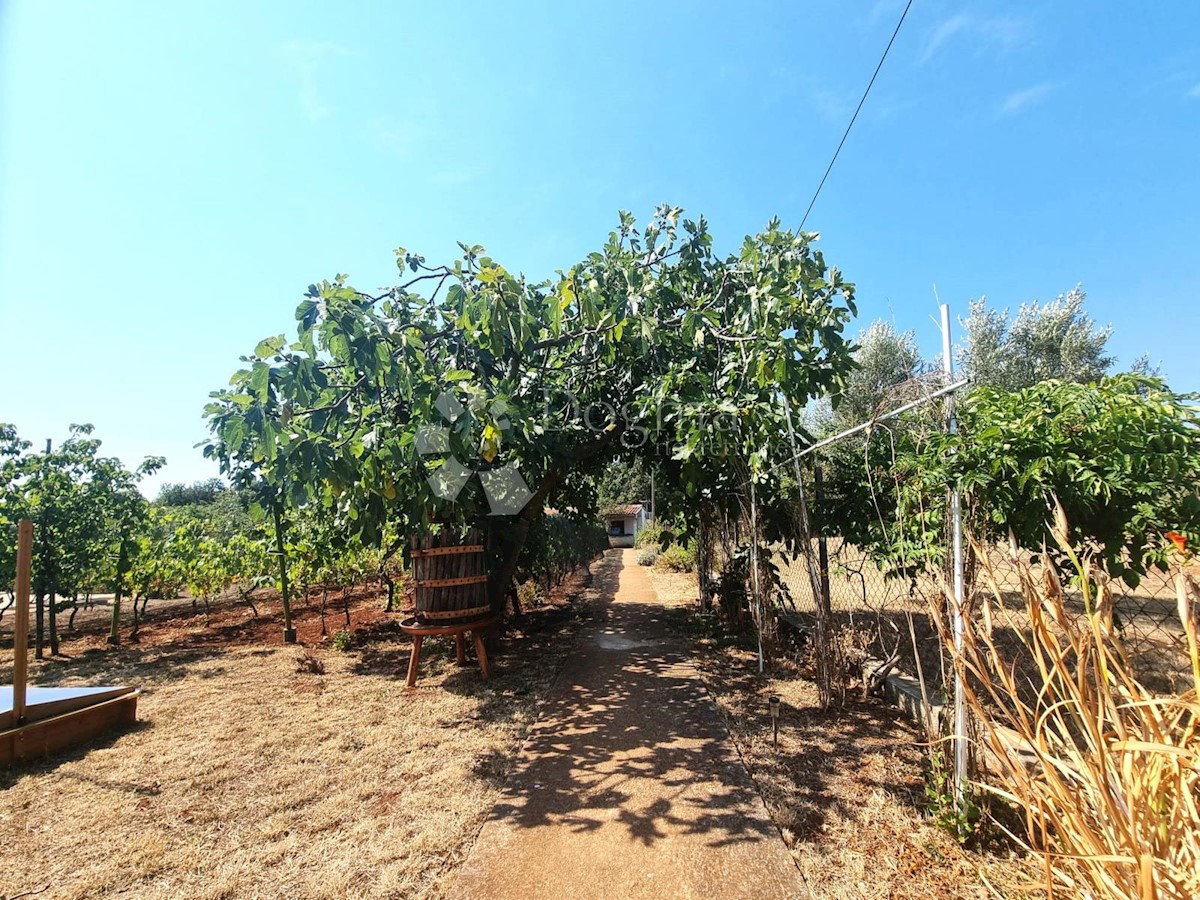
624, 509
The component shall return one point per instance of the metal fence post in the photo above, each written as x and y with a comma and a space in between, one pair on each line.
960, 698
758, 604
822, 543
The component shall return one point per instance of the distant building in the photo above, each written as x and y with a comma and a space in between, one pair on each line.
624, 522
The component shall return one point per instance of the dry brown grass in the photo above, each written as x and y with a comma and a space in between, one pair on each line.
249, 778
1111, 801
845, 787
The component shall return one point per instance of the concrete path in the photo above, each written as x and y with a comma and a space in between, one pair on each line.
629, 786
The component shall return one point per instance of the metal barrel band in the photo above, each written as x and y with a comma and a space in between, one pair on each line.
451, 582
446, 551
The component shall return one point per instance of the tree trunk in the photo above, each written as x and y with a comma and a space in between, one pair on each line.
39, 631
514, 538
514, 542
385, 577
704, 559
135, 631
114, 635
53, 621
289, 633
249, 599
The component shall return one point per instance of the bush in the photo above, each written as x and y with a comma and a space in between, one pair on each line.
652, 535
678, 559
647, 555
530, 595
341, 640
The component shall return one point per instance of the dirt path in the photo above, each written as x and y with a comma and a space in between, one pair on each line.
629, 785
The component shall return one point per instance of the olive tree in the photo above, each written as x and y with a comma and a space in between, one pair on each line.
1056, 340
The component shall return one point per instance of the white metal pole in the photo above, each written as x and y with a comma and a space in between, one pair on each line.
960, 697
758, 610
863, 426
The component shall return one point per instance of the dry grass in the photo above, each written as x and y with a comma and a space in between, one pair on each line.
1111, 801
845, 787
251, 778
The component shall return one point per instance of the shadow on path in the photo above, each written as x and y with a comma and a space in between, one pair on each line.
629, 784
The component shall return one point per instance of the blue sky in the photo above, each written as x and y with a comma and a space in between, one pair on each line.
173, 175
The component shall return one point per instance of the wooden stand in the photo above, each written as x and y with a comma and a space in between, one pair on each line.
421, 630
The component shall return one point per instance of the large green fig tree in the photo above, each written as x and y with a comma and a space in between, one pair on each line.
468, 393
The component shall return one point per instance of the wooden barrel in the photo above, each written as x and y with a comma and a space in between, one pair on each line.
449, 572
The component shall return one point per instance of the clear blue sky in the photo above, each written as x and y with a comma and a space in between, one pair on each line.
172, 175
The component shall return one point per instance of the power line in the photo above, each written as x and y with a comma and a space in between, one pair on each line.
855, 116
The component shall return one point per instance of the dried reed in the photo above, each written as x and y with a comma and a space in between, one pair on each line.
1105, 774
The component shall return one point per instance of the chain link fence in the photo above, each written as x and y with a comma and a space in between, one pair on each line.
881, 616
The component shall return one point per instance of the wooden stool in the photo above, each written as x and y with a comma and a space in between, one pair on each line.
420, 630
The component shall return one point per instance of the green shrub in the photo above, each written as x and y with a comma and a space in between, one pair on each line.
647, 555
341, 640
530, 595
678, 559
651, 535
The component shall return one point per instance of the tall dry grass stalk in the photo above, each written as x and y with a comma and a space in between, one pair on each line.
1105, 774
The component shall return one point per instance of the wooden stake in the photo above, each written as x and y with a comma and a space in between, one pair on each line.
21, 629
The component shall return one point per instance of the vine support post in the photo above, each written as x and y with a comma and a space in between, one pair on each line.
822, 543
960, 698
289, 632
